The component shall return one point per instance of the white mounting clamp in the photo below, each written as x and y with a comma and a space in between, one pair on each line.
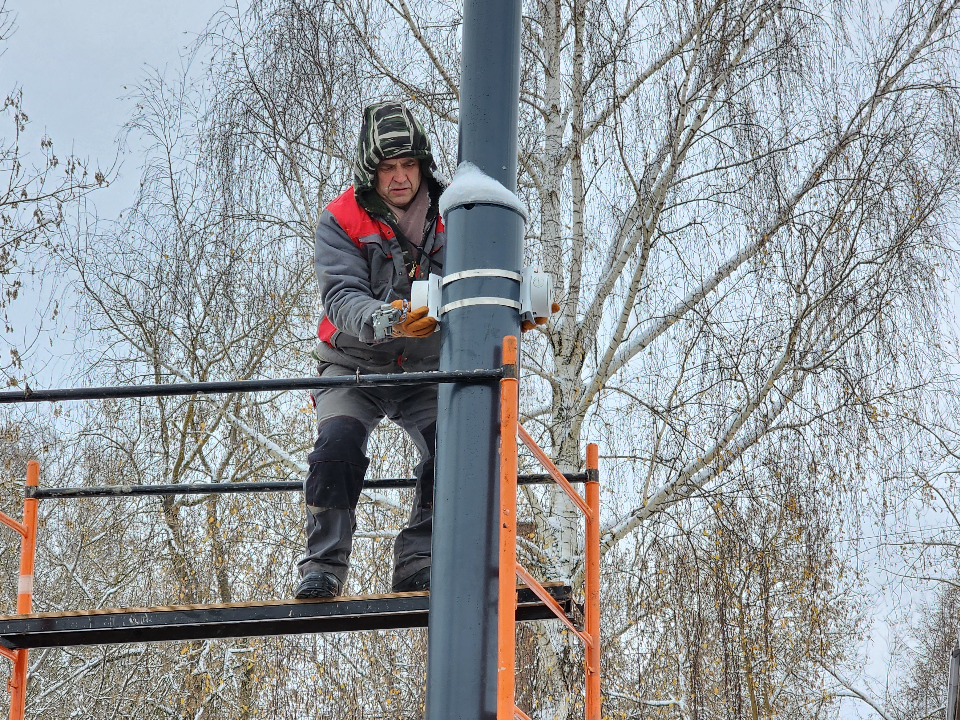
536, 293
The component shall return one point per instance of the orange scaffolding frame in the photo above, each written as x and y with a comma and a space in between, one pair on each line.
17, 684
510, 569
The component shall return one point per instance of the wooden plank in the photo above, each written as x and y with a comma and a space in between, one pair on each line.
252, 619
559, 586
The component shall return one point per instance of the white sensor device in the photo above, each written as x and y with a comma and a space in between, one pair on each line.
427, 293
536, 295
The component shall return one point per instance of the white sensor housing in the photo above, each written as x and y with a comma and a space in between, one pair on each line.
427, 293
536, 295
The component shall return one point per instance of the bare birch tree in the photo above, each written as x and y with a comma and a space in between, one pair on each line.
208, 276
744, 208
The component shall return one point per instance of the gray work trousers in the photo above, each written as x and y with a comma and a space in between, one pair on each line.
345, 418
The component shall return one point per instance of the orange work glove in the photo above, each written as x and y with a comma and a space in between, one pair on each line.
416, 324
527, 325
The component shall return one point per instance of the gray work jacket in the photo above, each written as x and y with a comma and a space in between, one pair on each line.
359, 263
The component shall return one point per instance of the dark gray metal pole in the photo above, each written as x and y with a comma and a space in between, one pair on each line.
953, 683
260, 486
462, 656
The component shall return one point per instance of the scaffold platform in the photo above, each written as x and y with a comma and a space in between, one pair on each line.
251, 619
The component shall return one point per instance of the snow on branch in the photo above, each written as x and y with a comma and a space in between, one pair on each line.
857, 694
725, 451
83, 669
649, 703
376, 534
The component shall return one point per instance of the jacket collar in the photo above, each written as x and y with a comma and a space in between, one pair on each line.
369, 200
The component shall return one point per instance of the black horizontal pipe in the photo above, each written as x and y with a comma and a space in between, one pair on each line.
227, 488
28, 395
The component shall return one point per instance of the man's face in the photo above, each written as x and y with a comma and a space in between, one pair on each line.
398, 180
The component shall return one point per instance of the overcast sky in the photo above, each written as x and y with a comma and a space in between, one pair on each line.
73, 58
76, 61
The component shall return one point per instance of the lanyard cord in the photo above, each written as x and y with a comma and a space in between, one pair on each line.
419, 248
421, 254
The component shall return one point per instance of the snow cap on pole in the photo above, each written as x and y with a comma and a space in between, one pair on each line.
472, 186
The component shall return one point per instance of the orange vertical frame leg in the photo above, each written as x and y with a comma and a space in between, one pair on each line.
17, 685
592, 584
507, 608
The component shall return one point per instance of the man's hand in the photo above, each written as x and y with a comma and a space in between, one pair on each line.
416, 324
527, 325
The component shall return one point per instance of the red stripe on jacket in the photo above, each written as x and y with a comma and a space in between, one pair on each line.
355, 221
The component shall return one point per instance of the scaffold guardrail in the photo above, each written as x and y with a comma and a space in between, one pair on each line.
515, 603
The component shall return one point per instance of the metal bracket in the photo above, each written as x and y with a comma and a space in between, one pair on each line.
467, 302
482, 272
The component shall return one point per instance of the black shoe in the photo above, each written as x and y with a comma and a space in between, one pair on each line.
318, 585
418, 582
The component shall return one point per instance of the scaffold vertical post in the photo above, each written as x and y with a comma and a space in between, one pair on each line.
29, 547
506, 623
592, 583
17, 684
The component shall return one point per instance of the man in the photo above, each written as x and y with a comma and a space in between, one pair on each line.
371, 243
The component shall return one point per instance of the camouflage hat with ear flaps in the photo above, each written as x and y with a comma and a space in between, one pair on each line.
389, 130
